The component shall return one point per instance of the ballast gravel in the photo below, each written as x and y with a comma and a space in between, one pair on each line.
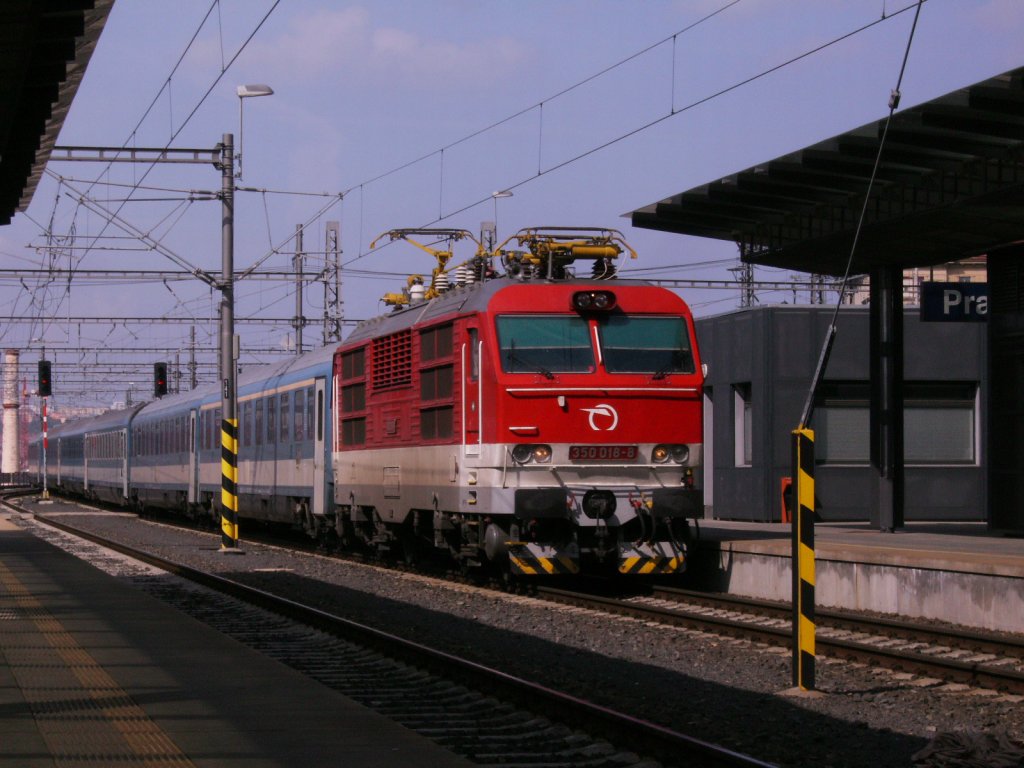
731, 692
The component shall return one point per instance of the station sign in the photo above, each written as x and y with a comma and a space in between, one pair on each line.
954, 302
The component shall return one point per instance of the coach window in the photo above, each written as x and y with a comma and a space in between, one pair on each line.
310, 413
258, 427
298, 414
245, 425
271, 419
286, 415
320, 417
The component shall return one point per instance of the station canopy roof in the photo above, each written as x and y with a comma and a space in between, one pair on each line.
45, 46
950, 185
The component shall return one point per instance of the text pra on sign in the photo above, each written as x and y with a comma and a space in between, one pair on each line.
954, 302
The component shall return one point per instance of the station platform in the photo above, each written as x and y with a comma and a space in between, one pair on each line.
961, 573
96, 673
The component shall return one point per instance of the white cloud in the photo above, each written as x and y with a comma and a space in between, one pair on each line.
346, 43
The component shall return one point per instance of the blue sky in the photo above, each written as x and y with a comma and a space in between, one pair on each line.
362, 89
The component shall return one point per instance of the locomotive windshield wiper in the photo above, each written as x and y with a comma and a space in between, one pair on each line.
670, 367
512, 357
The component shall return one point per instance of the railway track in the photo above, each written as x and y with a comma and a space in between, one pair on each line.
948, 654
516, 722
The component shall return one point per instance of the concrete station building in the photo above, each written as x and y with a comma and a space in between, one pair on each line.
939, 182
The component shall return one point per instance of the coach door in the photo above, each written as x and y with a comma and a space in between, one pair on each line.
193, 460
319, 453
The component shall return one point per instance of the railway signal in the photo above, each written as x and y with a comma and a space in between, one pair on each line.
159, 379
44, 388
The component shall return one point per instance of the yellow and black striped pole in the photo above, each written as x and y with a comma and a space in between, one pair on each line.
803, 560
228, 355
229, 483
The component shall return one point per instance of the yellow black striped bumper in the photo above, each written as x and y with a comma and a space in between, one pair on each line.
527, 559
656, 558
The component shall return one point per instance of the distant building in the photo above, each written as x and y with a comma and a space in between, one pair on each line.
973, 270
760, 364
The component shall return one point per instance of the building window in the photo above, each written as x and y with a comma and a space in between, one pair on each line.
939, 423
742, 425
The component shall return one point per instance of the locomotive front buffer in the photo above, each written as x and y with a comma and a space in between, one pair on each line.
641, 558
598, 517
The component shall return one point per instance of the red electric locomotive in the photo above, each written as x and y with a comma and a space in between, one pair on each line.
536, 422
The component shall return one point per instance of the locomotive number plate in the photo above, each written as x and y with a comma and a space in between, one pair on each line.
585, 453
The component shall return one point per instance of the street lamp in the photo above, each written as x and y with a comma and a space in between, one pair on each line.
246, 92
495, 195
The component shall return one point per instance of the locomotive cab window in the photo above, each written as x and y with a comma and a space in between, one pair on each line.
545, 344
658, 345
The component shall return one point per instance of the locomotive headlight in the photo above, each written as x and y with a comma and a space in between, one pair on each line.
521, 453
680, 453
525, 454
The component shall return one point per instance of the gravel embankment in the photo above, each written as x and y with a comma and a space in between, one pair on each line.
726, 691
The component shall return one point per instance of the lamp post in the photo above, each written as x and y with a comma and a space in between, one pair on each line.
228, 346
229, 392
247, 92
494, 196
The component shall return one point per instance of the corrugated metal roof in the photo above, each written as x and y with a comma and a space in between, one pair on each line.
45, 47
950, 185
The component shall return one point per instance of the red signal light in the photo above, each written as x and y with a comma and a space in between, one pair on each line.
159, 379
44, 387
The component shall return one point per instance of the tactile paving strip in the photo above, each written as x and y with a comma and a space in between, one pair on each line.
81, 712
